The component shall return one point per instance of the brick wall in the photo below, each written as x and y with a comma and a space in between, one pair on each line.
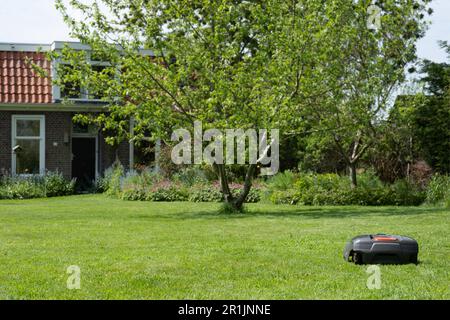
5, 142
58, 155
109, 154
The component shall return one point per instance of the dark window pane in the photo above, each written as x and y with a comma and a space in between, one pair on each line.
80, 128
27, 158
28, 128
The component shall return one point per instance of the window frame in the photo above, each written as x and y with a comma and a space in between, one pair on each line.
41, 140
84, 93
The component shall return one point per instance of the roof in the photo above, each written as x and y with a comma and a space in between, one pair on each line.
19, 83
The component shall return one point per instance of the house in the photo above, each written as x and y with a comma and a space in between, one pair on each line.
37, 133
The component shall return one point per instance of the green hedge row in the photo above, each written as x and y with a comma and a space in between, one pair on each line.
205, 193
284, 188
52, 184
332, 189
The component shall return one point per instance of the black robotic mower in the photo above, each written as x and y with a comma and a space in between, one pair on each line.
381, 249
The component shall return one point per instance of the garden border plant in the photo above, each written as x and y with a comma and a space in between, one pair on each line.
52, 184
191, 184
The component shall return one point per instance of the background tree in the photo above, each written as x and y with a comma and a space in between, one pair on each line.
371, 66
417, 129
432, 117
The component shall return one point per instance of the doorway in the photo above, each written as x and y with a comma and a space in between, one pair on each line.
84, 162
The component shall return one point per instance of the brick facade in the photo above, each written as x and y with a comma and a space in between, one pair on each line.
111, 154
58, 155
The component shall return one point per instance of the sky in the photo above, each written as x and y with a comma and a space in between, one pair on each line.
37, 21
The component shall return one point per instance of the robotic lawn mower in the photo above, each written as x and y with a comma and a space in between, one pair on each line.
381, 249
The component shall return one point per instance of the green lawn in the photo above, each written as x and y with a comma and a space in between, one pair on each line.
142, 250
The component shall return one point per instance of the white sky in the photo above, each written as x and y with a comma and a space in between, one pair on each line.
37, 21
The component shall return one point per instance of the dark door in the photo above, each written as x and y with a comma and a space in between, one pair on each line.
83, 162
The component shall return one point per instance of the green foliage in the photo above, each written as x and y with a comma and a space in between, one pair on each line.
52, 184
282, 181
438, 190
233, 64
187, 185
171, 193
253, 196
56, 185
190, 176
110, 183
283, 197
21, 189
204, 193
332, 189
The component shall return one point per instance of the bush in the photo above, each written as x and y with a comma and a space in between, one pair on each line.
56, 185
110, 183
205, 193
438, 190
22, 189
190, 176
283, 197
53, 184
171, 193
188, 185
332, 189
282, 181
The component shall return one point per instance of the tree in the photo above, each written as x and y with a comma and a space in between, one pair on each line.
369, 66
432, 118
242, 64
229, 64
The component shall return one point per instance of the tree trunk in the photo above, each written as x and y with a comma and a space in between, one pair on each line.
352, 172
239, 201
235, 204
223, 181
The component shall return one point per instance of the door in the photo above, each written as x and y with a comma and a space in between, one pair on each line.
83, 162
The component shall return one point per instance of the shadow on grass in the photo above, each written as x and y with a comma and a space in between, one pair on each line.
300, 212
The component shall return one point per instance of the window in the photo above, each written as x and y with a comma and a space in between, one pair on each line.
84, 129
70, 88
28, 144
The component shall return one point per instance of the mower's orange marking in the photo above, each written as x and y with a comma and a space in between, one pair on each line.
378, 238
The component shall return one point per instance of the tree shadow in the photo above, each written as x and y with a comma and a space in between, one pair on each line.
304, 212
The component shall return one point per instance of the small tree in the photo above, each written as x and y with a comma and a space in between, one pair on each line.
368, 66
243, 64
228, 64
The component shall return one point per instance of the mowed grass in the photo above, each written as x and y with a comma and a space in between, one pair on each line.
143, 250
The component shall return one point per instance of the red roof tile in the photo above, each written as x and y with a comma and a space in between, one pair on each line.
19, 83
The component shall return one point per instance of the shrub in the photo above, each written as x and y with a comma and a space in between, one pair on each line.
282, 181
438, 190
132, 194
111, 181
56, 185
190, 176
283, 197
22, 189
253, 196
51, 185
205, 193
332, 189
171, 193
